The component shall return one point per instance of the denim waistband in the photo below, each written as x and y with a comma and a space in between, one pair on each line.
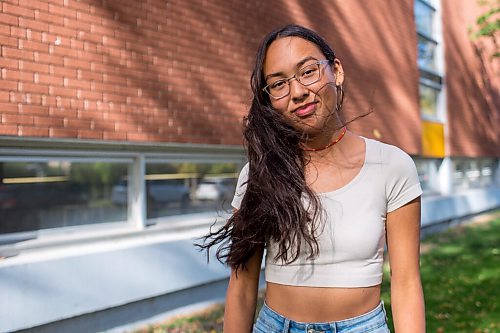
376, 317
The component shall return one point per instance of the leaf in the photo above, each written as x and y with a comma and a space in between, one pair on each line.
483, 18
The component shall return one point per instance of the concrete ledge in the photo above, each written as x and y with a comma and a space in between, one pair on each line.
37, 293
438, 209
104, 320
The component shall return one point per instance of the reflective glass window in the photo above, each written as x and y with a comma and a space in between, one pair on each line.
459, 180
487, 170
424, 15
185, 188
423, 174
427, 174
53, 194
426, 53
428, 101
426, 20
473, 173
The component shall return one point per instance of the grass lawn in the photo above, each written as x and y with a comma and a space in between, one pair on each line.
460, 275
461, 279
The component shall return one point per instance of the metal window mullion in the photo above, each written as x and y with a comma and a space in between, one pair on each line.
191, 158
30, 159
427, 4
430, 83
62, 153
137, 192
427, 38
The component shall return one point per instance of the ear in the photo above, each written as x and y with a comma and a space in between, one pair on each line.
338, 71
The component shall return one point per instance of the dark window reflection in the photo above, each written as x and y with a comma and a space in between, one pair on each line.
185, 188
428, 100
55, 194
426, 54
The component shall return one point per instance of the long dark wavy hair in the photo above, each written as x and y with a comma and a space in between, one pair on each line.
272, 208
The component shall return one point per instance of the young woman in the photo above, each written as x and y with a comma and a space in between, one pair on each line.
322, 201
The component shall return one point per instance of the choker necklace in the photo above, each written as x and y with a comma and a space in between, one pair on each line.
344, 129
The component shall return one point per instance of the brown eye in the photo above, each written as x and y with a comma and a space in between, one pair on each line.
309, 72
280, 84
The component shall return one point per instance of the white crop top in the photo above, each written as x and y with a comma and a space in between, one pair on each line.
351, 244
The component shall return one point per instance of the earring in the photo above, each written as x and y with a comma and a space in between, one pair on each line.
339, 74
340, 97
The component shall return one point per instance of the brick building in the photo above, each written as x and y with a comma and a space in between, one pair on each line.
120, 135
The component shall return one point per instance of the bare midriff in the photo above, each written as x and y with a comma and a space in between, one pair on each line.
321, 304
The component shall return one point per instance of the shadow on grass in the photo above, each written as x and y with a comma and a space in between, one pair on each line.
460, 276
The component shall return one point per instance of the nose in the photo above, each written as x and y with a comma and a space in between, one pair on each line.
298, 92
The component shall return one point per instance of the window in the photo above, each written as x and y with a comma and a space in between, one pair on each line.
427, 20
486, 170
428, 174
424, 17
428, 101
45, 194
53, 190
473, 173
186, 188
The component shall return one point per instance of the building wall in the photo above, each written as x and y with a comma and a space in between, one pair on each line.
472, 81
147, 83
178, 71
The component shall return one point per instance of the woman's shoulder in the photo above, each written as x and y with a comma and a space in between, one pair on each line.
241, 187
243, 176
394, 160
386, 151
244, 170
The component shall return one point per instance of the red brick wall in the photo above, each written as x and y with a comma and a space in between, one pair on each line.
472, 82
178, 71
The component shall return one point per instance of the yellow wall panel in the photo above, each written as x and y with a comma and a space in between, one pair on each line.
432, 139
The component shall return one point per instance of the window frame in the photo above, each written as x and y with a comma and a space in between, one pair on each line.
476, 166
429, 77
136, 155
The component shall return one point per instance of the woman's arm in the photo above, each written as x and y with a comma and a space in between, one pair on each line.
403, 242
241, 297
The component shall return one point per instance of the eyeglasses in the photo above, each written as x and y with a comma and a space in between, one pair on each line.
306, 75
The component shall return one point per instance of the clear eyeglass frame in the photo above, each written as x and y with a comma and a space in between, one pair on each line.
296, 76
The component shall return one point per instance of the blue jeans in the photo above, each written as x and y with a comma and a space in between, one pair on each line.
374, 321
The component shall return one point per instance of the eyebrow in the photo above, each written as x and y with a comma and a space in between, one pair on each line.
299, 64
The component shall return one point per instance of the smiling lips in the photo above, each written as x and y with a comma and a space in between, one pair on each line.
305, 110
